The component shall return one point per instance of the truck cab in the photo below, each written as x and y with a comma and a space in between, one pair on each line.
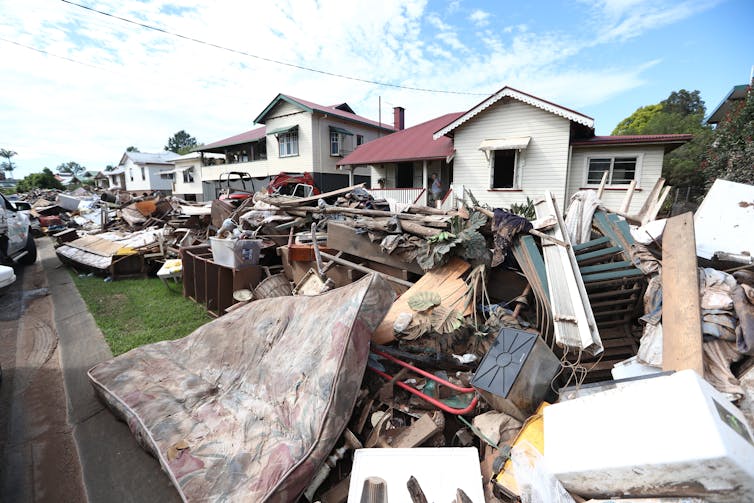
16, 241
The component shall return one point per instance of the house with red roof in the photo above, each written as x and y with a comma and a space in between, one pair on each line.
512, 146
295, 136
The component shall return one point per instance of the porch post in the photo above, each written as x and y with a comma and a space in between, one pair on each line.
425, 181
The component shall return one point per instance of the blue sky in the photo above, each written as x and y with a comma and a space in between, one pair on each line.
105, 84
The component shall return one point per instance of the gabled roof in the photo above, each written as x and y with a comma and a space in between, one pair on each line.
147, 158
721, 110
239, 139
311, 107
509, 92
671, 141
414, 143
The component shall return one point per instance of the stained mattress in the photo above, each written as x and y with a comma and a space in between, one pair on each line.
248, 406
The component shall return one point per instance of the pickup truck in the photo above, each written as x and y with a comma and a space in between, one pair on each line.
16, 240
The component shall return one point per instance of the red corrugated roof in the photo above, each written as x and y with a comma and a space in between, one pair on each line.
631, 139
340, 113
410, 144
248, 136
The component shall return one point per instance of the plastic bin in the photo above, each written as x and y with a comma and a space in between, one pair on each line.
235, 253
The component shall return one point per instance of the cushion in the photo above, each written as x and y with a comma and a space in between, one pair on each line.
248, 406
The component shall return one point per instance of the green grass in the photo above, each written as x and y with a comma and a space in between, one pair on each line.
134, 312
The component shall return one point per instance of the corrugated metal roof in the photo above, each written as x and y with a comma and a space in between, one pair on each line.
721, 110
632, 139
147, 158
247, 137
330, 110
410, 144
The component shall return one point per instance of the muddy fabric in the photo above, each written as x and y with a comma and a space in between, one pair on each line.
505, 227
248, 406
579, 216
743, 301
717, 357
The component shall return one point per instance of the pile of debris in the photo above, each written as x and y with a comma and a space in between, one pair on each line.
591, 354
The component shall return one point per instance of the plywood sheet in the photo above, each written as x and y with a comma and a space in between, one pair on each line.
446, 280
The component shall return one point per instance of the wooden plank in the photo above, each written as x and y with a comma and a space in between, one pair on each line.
445, 280
610, 266
627, 198
344, 238
603, 276
417, 433
284, 202
572, 315
590, 244
681, 311
598, 254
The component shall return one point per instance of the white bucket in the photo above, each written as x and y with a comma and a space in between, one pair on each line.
235, 253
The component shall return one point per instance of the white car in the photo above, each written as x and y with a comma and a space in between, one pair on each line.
7, 277
16, 241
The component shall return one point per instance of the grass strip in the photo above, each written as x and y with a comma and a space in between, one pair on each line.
134, 312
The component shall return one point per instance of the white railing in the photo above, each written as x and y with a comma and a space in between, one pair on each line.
449, 202
413, 195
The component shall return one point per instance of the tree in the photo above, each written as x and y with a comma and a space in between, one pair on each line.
731, 154
181, 143
132, 149
681, 112
8, 165
71, 167
684, 103
44, 180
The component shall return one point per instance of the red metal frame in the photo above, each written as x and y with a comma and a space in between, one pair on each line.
424, 396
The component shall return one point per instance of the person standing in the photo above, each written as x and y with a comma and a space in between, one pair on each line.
436, 188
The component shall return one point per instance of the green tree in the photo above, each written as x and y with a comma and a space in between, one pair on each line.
71, 167
44, 180
8, 165
132, 149
181, 143
681, 112
638, 120
730, 155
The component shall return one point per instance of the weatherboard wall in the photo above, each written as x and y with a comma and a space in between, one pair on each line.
648, 170
540, 167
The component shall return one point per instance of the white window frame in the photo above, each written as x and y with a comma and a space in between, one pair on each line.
336, 140
143, 175
188, 175
516, 184
359, 139
288, 140
608, 183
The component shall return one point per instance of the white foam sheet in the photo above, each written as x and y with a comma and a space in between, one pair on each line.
724, 221
440, 472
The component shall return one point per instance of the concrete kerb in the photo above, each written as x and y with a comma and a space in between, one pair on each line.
113, 466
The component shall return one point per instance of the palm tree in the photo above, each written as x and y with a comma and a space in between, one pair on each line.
8, 164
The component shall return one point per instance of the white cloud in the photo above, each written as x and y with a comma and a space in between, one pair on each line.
479, 17
141, 86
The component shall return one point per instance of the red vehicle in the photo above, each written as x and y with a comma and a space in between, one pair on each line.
293, 184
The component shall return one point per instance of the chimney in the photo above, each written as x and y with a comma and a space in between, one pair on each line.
399, 118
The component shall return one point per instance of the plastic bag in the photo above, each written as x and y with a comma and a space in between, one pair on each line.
535, 483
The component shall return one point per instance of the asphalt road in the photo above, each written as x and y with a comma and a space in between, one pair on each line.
57, 441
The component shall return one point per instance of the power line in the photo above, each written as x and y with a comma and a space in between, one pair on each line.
270, 60
49, 53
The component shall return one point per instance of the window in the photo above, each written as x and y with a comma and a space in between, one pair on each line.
335, 143
359, 139
288, 143
142, 173
188, 175
503, 169
259, 150
131, 174
620, 170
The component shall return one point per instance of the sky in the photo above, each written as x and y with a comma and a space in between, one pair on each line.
78, 85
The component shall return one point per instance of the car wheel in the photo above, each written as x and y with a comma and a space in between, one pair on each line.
31, 251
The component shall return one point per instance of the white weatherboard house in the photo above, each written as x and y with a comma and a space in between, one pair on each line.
514, 145
187, 174
140, 172
297, 136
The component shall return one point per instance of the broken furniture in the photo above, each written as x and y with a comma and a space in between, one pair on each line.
206, 282
237, 411
658, 436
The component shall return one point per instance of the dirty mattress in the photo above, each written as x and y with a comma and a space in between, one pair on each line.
248, 406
